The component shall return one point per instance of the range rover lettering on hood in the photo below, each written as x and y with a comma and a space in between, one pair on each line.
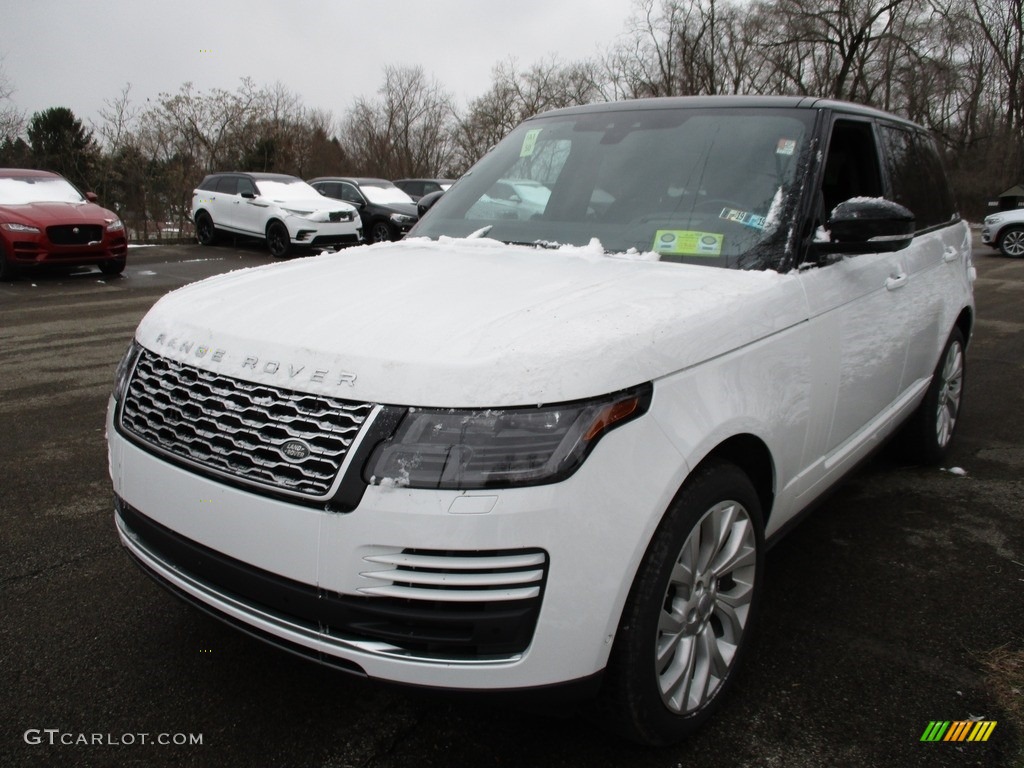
186, 347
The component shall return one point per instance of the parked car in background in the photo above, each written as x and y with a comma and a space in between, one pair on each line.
511, 199
46, 221
283, 210
417, 188
387, 212
1005, 231
551, 449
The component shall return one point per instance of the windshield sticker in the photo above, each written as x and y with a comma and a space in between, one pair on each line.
529, 142
786, 147
745, 218
685, 242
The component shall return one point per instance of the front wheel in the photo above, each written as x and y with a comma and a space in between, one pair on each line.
278, 239
113, 267
1011, 243
381, 232
206, 233
7, 270
687, 621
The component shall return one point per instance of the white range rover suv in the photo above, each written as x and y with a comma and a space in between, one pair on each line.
519, 451
283, 210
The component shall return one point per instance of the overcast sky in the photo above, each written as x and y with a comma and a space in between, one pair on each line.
79, 54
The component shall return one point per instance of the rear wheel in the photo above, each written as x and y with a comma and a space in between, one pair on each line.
686, 624
278, 239
1011, 243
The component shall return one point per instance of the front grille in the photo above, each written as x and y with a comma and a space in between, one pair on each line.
77, 234
258, 434
494, 616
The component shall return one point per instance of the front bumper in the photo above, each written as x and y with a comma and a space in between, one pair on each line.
36, 250
335, 587
324, 234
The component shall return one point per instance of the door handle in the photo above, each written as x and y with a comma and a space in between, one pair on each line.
896, 281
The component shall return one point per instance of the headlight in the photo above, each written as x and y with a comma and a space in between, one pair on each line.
115, 226
125, 368
401, 218
297, 212
15, 227
491, 448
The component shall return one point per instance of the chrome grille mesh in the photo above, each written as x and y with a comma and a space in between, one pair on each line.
260, 434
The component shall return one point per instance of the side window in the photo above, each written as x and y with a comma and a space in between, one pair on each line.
350, 194
916, 175
851, 168
227, 185
246, 185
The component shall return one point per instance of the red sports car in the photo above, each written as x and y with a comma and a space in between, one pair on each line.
45, 220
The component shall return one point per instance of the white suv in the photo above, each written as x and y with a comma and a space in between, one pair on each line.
549, 449
283, 210
1005, 231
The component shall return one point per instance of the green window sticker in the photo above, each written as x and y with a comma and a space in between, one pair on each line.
684, 242
529, 142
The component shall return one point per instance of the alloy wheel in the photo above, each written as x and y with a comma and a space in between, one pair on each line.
706, 607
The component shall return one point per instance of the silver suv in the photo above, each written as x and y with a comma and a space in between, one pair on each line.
1005, 231
283, 210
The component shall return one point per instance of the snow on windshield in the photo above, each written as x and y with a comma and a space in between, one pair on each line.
38, 189
385, 195
287, 190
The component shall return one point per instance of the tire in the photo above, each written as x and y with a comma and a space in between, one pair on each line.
1011, 242
380, 232
930, 430
278, 240
7, 270
113, 268
687, 622
206, 233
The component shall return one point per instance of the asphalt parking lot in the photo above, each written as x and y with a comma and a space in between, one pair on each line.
899, 602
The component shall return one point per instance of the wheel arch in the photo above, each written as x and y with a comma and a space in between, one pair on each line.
754, 459
275, 220
965, 322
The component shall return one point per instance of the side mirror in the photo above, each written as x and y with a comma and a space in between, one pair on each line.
92, 197
867, 225
426, 202
249, 195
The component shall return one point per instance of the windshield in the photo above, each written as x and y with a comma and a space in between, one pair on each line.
697, 185
384, 195
38, 189
282, 191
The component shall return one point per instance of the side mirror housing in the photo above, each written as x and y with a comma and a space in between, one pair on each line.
426, 202
867, 225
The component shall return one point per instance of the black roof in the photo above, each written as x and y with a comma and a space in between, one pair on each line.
357, 180
727, 102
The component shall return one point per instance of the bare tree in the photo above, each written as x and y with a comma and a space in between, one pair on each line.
407, 130
517, 94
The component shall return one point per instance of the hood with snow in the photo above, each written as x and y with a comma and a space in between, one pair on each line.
467, 323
